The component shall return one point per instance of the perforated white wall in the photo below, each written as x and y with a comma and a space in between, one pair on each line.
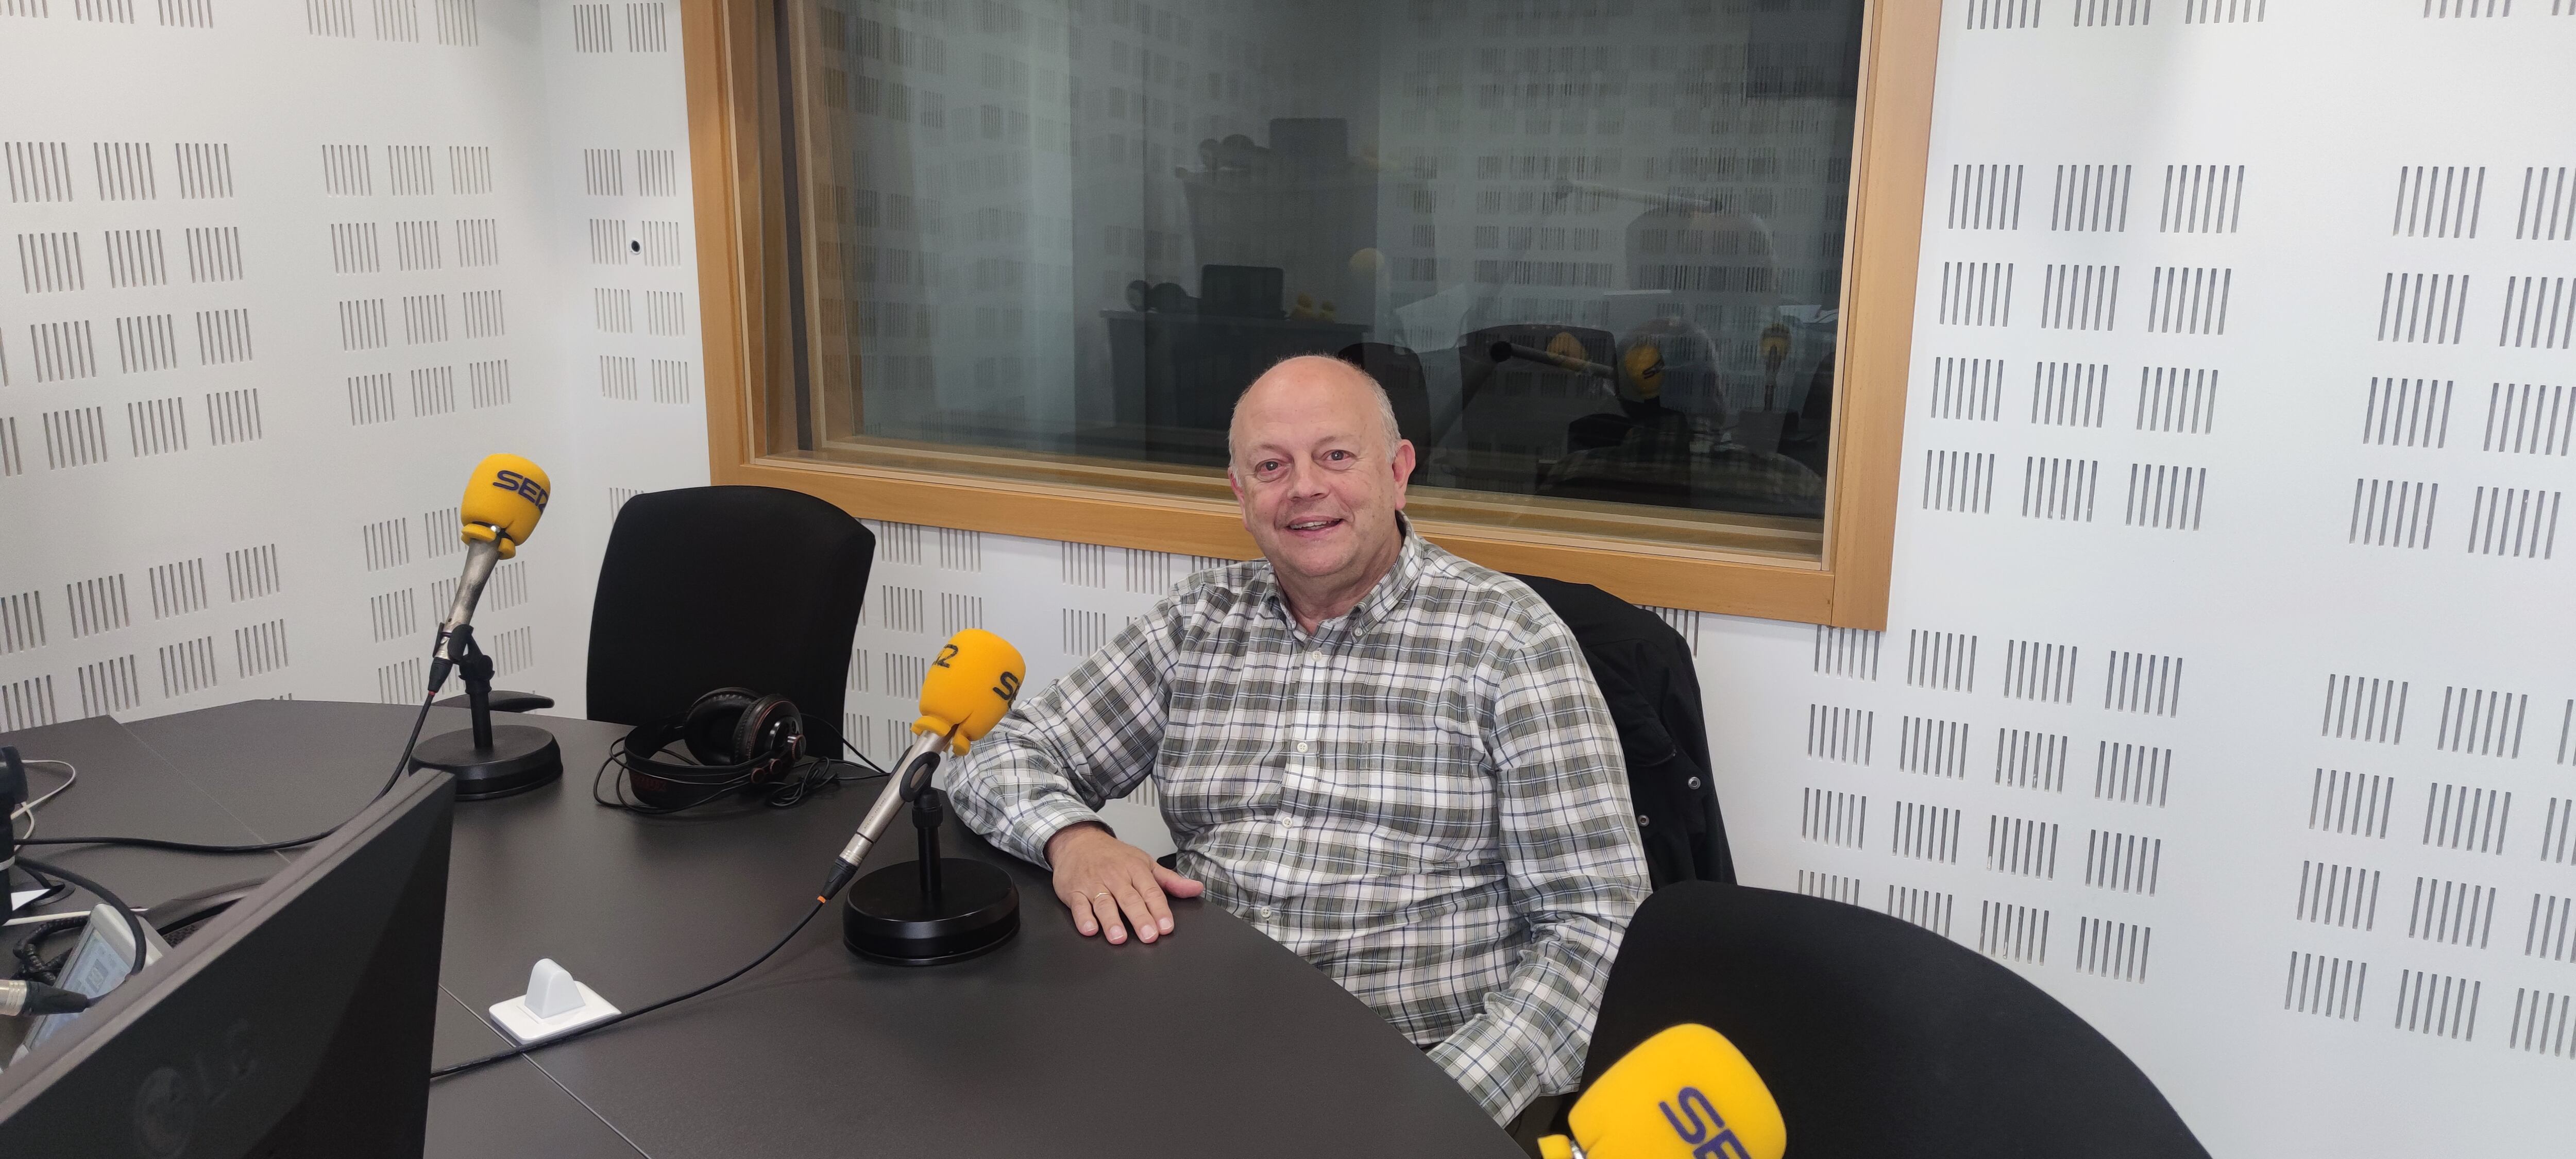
284, 273
2225, 691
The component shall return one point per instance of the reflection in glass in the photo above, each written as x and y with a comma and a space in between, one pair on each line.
1593, 248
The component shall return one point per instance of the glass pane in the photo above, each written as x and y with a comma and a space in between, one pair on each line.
1593, 248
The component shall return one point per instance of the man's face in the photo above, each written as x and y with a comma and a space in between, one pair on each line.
1317, 482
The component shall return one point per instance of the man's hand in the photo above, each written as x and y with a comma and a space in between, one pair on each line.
1105, 883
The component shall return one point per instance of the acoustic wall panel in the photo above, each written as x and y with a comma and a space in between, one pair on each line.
2294, 609
296, 272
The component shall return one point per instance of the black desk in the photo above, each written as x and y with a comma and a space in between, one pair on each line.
1216, 1041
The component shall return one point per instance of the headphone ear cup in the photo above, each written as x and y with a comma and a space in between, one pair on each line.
643, 751
713, 723
771, 730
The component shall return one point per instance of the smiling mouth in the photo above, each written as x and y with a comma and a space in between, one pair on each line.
1309, 525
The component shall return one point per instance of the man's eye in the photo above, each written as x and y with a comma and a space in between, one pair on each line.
1337, 455
1266, 466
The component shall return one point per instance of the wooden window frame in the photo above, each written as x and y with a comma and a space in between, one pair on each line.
741, 234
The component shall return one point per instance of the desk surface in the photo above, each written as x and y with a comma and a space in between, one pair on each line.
1216, 1040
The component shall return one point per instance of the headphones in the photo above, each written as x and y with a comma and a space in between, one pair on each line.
738, 739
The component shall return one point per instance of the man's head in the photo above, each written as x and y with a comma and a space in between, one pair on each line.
1319, 467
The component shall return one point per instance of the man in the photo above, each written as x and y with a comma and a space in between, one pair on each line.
1389, 759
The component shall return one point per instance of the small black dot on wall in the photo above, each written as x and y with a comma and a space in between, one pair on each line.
635, 247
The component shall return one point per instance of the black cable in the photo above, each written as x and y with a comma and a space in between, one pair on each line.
132, 923
818, 723
816, 773
514, 1052
400, 768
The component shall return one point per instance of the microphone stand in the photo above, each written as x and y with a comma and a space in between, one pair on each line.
488, 760
941, 909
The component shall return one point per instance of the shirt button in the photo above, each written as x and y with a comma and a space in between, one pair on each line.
1304, 747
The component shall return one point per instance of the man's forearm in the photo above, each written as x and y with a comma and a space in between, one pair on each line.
1530, 1037
1016, 802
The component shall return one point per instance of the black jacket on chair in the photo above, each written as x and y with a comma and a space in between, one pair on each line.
1644, 669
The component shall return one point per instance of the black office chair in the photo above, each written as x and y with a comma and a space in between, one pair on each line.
714, 587
1643, 668
709, 587
1880, 1039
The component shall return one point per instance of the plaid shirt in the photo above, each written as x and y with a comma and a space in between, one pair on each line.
1425, 797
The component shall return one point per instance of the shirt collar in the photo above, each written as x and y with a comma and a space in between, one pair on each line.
1389, 592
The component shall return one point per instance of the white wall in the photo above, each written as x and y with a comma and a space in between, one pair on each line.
2236, 651
2290, 980
337, 119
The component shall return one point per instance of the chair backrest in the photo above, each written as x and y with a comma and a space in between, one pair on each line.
1644, 670
709, 587
1880, 1039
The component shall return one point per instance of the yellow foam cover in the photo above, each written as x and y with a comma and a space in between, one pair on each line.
503, 501
1686, 1093
1644, 364
970, 686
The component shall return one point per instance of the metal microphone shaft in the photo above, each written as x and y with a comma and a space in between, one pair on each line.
909, 774
481, 556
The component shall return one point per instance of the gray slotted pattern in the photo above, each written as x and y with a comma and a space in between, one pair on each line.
2363, 769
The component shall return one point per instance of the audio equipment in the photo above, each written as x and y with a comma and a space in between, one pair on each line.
37, 998
737, 740
13, 796
939, 909
1686, 1093
503, 501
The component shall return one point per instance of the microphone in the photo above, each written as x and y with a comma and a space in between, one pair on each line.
965, 693
38, 998
503, 501
1686, 1093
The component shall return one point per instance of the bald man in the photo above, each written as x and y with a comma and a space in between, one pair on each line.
1389, 759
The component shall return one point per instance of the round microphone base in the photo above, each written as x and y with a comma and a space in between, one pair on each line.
521, 758
887, 920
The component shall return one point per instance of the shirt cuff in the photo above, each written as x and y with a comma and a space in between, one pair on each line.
1043, 819
1497, 1064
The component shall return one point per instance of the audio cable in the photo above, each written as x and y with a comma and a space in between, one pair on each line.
400, 767
133, 924
605, 1023
40, 998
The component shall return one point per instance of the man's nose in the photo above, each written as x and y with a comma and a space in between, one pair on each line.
1305, 480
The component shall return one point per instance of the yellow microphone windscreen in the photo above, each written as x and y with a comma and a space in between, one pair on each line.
970, 686
1686, 1093
503, 501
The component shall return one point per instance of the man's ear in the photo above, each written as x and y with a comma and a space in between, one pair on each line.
1241, 507
1403, 469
